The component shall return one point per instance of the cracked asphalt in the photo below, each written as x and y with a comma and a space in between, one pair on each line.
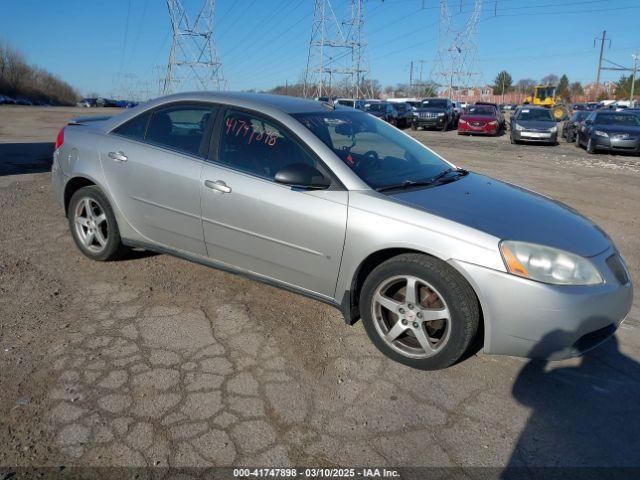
154, 361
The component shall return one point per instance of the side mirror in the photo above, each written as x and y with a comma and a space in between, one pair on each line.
302, 175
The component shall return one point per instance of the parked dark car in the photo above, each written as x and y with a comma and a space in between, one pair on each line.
384, 110
580, 106
571, 126
479, 120
405, 113
499, 114
533, 124
434, 113
610, 130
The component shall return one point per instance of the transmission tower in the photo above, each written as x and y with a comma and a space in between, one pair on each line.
456, 65
335, 63
193, 60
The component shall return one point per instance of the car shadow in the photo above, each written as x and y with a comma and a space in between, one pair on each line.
584, 419
21, 158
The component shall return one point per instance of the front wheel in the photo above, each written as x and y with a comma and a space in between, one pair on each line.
413, 127
590, 147
93, 225
419, 311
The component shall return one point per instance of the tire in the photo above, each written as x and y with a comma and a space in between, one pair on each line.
512, 140
590, 148
413, 127
445, 126
436, 282
93, 225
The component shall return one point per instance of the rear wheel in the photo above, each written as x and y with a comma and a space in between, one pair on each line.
93, 225
419, 311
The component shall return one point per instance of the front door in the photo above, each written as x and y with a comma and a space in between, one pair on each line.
153, 166
251, 222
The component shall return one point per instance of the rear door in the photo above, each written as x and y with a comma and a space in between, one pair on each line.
251, 222
153, 166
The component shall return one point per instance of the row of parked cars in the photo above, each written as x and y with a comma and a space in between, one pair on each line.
605, 129
6, 100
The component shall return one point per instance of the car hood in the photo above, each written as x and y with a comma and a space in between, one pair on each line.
618, 129
509, 212
435, 110
479, 118
536, 124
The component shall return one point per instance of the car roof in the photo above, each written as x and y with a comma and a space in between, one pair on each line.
283, 103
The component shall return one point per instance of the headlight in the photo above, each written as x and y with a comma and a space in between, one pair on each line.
547, 264
553, 129
519, 127
441, 114
494, 122
600, 133
462, 120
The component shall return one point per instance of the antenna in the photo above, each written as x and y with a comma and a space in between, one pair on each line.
336, 51
193, 59
456, 64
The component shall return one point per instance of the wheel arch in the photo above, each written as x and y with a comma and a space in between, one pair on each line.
351, 300
72, 186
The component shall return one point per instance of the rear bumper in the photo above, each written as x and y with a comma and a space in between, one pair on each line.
532, 319
57, 179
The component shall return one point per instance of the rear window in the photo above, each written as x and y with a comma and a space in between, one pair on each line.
135, 128
181, 127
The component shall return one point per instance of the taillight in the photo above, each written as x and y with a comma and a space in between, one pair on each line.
60, 138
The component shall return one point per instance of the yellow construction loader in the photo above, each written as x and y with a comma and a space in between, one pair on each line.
545, 96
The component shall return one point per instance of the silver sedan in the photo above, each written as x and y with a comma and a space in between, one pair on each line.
337, 205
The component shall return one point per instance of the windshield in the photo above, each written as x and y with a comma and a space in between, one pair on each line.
378, 153
480, 110
580, 115
535, 114
626, 120
347, 103
434, 103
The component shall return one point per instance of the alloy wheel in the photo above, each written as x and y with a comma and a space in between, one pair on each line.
91, 224
411, 316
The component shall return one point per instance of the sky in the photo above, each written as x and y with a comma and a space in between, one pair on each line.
111, 47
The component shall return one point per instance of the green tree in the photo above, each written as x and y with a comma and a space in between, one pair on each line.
623, 88
502, 83
563, 87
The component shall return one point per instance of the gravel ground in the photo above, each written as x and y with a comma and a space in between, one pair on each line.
156, 361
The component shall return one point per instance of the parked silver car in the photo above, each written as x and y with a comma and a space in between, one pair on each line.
333, 203
533, 124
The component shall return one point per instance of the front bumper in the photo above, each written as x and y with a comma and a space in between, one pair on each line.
428, 122
525, 318
615, 144
486, 129
529, 136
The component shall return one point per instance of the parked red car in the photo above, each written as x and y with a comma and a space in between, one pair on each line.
479, 119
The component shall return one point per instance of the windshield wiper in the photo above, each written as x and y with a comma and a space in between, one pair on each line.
439, 178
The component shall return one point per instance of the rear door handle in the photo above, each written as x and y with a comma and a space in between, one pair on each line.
118, 156
218, 185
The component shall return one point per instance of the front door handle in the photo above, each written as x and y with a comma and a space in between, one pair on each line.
118, 156
218, 185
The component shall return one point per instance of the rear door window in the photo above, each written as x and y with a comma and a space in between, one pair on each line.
185, 128
135, 128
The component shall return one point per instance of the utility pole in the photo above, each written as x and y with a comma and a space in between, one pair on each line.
635, 57
411, 74
602, 40
193, 60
